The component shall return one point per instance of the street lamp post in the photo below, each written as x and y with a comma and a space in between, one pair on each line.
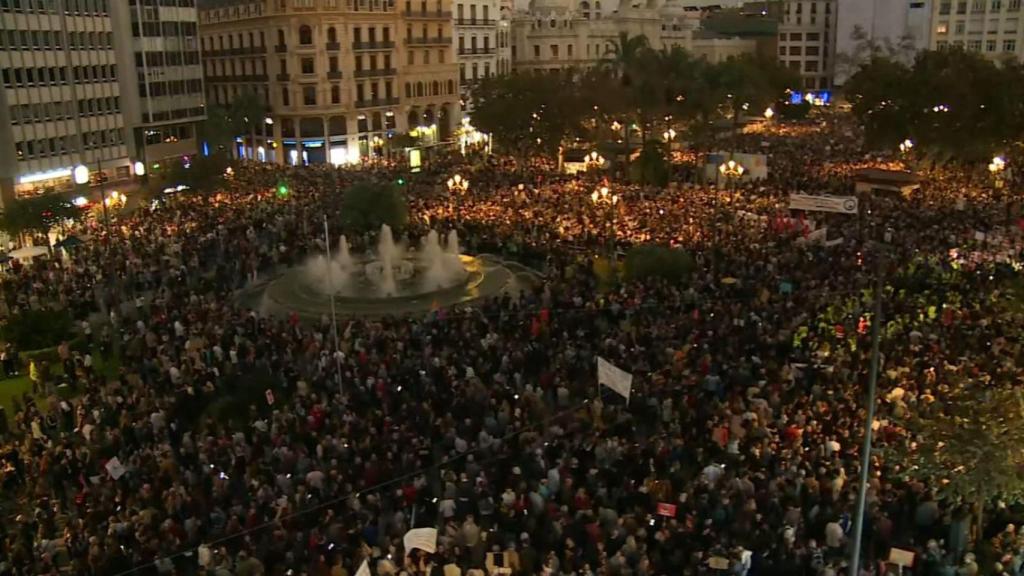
594, 160
732, 170
457, 184
996, 168
603, 197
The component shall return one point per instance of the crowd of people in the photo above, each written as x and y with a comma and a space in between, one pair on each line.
233, 443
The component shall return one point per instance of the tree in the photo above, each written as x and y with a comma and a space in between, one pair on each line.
966, 443
529, 112
876, 92
653, 261
203, 173
946, 95
368, 204
651, 166
38, 214
246, 113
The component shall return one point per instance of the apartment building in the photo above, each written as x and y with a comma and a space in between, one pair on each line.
157, 45
807, 41
991, 27
899, 27
340, 77
60, 99
556, 34
476, 37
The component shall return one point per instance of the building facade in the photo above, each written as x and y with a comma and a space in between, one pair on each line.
339, 77
991, 27
60, 100
556, 34
162, 78
807, 41
899, 27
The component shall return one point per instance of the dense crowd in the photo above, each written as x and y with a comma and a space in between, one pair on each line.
486, 421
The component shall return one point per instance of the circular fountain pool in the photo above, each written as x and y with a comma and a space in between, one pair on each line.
391, 280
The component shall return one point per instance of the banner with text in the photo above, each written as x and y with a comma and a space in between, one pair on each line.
839, 204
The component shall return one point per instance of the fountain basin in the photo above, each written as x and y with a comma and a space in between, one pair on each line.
292, 292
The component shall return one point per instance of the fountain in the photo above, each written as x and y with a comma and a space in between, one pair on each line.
388, 280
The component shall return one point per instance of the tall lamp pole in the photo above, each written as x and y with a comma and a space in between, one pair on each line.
334, 312
865, 455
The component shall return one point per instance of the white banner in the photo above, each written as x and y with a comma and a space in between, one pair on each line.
364, 569
840, 204
422, 538
613, 377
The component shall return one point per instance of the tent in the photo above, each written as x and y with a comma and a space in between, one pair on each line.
29, 252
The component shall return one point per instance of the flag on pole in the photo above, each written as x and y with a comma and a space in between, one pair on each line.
422, 538
613, 377
364, 569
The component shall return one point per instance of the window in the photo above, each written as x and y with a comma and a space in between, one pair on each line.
440, 57
990, 46
794, 50
554, 51
974, 45
811, 66
811, 51
536, 51
307, 65
412, 58
280, 38
942, 28
285, 97
332, 35
1009, 45
335, 94
1013, 5
978, 6
332, 64
961, 7
958, 28
941, 44
996, 5
305, 35
309, 95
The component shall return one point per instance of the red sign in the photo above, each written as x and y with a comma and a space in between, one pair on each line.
665, 509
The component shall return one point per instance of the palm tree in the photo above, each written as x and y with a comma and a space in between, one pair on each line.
624, 54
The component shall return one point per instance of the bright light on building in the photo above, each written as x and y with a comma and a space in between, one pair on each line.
140, 168
81, 174
41, 176
80, 201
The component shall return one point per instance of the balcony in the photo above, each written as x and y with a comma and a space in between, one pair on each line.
373, 45
376, 102
476, 51
428, 15
439, 41
333, 46
280, 48
476, 22
284, 77
334, 75
377, 73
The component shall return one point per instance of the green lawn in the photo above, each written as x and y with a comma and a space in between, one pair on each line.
12, 388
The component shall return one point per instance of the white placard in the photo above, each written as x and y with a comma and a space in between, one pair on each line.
840, 204
614, 377
115, 468
364, 569
422, 538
